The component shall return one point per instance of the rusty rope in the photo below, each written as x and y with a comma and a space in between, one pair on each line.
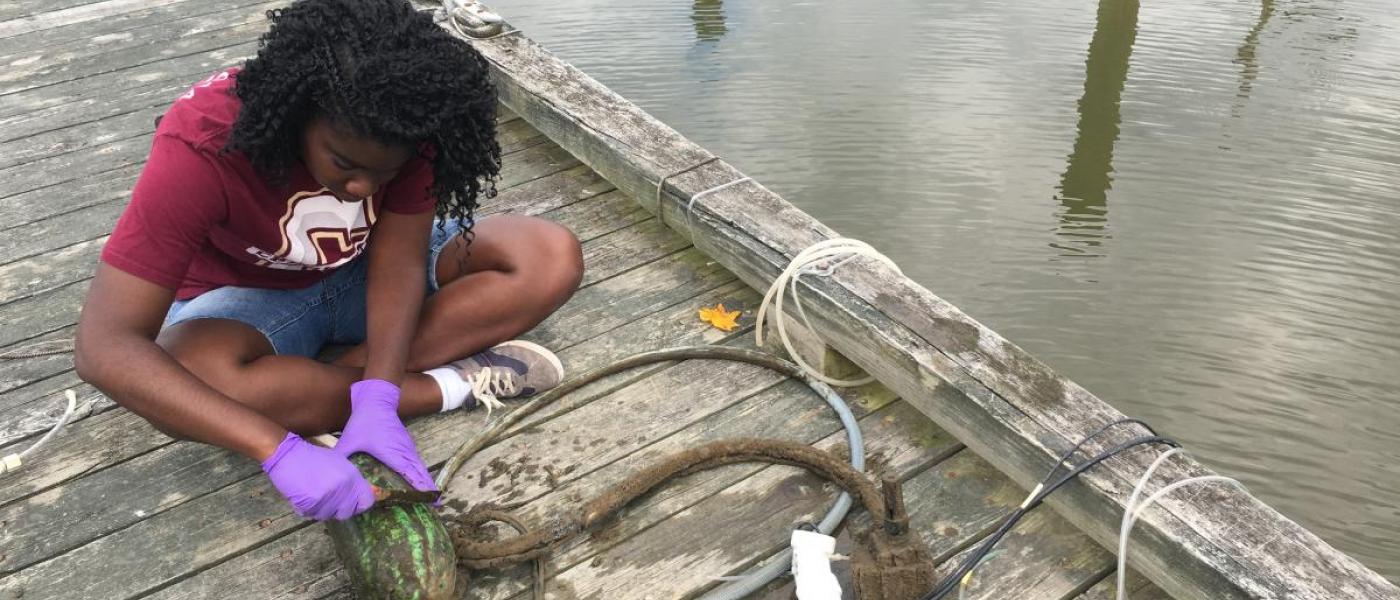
38, 349
534, 543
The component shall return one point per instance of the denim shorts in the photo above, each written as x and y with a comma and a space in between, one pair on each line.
299, 322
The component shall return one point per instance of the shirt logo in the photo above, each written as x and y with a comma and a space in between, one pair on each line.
319, 232
208, 81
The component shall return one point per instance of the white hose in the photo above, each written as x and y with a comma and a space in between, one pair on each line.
1133, 511
12, 462
806, 263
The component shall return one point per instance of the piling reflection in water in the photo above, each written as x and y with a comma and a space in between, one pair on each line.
1247, 55
1083, 190
708, 17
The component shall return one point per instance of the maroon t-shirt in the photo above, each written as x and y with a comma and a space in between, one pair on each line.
200, 219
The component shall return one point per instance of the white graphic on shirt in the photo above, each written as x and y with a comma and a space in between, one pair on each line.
319, 232
208, 81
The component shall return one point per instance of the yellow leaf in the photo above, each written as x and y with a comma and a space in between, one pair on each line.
722, 319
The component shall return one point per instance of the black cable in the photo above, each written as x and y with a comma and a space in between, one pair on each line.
1086, 439
949, 583
944, 586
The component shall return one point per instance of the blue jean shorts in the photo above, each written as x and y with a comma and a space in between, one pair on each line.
300, 322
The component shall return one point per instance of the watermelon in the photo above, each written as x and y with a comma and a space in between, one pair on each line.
395, 551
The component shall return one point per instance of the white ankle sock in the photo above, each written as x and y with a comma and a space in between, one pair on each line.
455, 390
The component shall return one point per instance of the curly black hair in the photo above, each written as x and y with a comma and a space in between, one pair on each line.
386, 71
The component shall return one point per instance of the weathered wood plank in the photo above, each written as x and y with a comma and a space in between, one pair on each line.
649, 239
19, 372
21, 20
50, 271
41, 238
546, 194
649, 288
45, 173
1044, 556
98, 443
1107, 588
62, 518
49, 67
184, 69
30, 317
300, 565
120, 28
33, 409
62, 141
41, 397
1004, 403
31, 208
38, 65
152, 97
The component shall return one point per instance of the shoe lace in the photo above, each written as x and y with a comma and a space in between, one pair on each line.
488, 383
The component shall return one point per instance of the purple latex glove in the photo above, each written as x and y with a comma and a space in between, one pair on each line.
317, 482
375, 429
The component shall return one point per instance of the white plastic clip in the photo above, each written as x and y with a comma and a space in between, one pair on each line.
811, 566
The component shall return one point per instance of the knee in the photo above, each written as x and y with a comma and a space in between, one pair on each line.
214, 350
561, 269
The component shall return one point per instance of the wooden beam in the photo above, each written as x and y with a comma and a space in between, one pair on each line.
1208, 542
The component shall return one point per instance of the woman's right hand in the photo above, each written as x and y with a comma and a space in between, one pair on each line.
318, 482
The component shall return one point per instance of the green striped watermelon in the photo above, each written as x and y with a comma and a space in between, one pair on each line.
395, 551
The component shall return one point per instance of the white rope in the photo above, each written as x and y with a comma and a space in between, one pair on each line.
661, 183
1133, 511
455, 12
690, 206
12, 462
809, 262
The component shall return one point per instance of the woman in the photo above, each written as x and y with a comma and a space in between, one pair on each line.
290, 204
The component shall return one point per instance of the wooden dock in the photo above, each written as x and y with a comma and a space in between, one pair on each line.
114, 509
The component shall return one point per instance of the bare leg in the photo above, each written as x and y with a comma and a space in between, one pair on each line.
518, 271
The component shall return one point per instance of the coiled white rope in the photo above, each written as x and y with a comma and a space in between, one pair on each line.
821, 259
1134, 509
12, 462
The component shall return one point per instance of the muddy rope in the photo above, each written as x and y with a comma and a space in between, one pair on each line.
484, 514
38, 349
533, 545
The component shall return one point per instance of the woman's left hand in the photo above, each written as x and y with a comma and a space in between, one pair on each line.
375, 429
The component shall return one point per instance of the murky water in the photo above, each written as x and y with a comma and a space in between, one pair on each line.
1190, 207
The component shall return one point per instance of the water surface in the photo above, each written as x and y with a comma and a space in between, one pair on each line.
1189, 207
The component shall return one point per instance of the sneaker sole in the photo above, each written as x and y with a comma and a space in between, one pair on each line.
545, 352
